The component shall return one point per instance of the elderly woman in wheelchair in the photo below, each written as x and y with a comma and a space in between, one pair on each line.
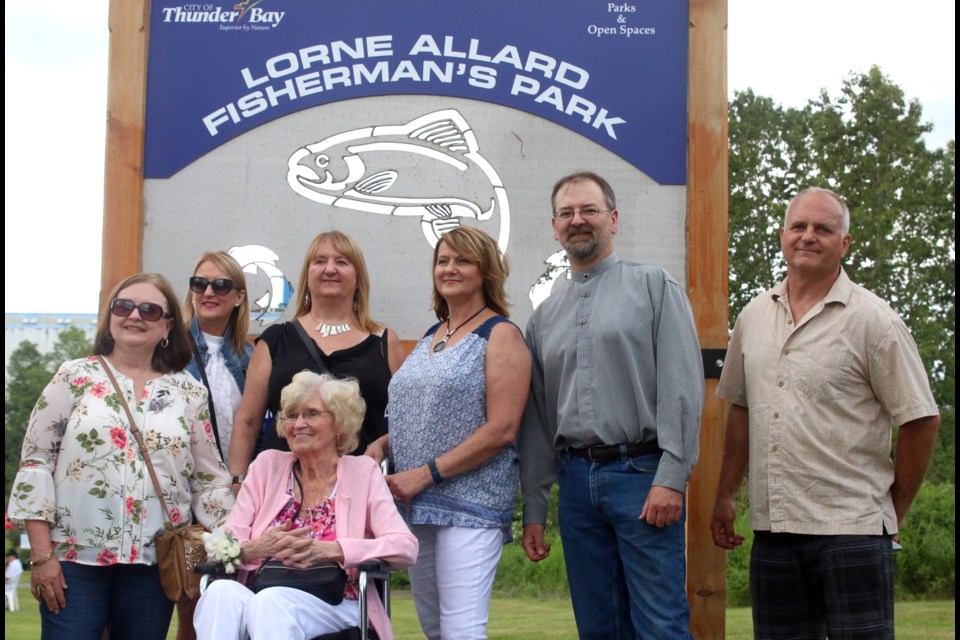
310, 505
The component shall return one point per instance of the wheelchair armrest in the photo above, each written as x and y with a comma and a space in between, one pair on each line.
375, 568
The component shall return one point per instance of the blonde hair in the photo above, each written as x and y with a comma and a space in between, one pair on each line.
239, 323
344, 245
478, 247
341, 397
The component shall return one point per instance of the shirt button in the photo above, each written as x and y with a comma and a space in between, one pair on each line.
786, 352
780, 383
776, 448
776, 416
789, 321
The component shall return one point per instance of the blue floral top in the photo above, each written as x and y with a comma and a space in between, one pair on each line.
82, 472
437, 400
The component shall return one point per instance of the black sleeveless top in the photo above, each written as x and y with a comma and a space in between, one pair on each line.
366, 362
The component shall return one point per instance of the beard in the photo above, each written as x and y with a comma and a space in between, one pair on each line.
581, 248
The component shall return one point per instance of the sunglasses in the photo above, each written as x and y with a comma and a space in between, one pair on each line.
221, 286
121, 307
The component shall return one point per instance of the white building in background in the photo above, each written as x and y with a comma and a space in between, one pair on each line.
42, 329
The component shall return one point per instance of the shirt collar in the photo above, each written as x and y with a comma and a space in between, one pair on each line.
604, 265
840, 292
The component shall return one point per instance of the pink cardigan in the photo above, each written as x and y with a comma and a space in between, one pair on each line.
368, 524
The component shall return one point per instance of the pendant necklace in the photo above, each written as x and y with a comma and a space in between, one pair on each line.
443, 343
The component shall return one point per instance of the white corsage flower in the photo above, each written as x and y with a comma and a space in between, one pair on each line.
223, 546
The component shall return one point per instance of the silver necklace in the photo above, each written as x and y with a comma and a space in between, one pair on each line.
443, 343
331, 329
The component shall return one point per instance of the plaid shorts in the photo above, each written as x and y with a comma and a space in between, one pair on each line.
812, 587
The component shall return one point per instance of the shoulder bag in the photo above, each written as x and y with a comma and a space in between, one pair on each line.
179, 549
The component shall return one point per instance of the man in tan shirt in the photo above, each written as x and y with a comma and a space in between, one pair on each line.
818, 371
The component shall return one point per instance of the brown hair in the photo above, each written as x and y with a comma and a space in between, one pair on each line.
478, 247
582, 176
173, 357
346, 246
239, 323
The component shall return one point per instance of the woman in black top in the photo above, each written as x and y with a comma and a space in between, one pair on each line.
333, 327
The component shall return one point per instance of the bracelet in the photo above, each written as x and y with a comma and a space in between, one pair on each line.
47, 558
434, 472
237, 479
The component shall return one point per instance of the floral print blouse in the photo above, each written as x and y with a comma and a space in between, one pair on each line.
81, 469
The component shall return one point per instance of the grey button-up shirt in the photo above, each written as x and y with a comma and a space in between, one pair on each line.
615, 360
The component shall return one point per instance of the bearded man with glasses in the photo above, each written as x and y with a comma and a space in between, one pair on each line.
614, 417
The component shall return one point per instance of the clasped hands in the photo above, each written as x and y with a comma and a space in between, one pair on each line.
293, 546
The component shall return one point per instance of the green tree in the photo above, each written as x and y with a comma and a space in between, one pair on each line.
29, 372
866, 144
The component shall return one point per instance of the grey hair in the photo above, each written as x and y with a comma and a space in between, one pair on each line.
843, 206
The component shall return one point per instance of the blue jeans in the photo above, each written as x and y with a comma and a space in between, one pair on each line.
128, 597
627, 578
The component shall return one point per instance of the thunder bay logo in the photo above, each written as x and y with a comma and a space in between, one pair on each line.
245, 15
430, 167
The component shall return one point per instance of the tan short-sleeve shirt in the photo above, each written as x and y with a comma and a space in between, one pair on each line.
822, 397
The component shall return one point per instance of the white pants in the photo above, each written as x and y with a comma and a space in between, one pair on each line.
230, 611
452, 580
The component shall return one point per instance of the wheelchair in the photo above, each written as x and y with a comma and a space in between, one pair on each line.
369, 570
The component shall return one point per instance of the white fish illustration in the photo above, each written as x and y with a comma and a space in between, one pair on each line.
430, 167
254, 258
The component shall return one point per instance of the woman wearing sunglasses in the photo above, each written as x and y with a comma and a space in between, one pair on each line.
217, 316
333, 332
83, 491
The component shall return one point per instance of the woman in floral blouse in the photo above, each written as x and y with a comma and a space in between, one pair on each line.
83, 491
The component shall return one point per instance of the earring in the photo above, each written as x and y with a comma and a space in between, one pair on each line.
237, 305
164, 343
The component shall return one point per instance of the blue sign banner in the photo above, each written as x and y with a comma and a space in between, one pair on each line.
615, 73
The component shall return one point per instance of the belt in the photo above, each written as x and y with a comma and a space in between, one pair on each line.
612, 452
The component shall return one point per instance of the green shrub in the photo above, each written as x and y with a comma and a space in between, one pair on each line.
926, 567
517, 576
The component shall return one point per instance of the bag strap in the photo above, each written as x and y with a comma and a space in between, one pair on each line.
384, 347
311, 346
206, 383
136, 434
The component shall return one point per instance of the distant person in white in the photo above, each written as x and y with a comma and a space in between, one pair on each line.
11, 575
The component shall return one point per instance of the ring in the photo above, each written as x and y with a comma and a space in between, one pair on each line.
40, 589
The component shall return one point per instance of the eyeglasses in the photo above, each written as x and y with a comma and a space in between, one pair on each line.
585, 212
121, 307
221, 286
311, 416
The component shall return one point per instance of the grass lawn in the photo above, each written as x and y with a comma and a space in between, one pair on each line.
547, 618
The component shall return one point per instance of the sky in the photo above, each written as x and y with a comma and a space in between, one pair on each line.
56, 89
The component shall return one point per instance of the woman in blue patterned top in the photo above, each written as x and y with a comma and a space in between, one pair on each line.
455, 407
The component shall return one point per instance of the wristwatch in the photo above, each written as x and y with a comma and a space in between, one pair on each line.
237, 479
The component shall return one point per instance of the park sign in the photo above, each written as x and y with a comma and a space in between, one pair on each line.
270, 121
